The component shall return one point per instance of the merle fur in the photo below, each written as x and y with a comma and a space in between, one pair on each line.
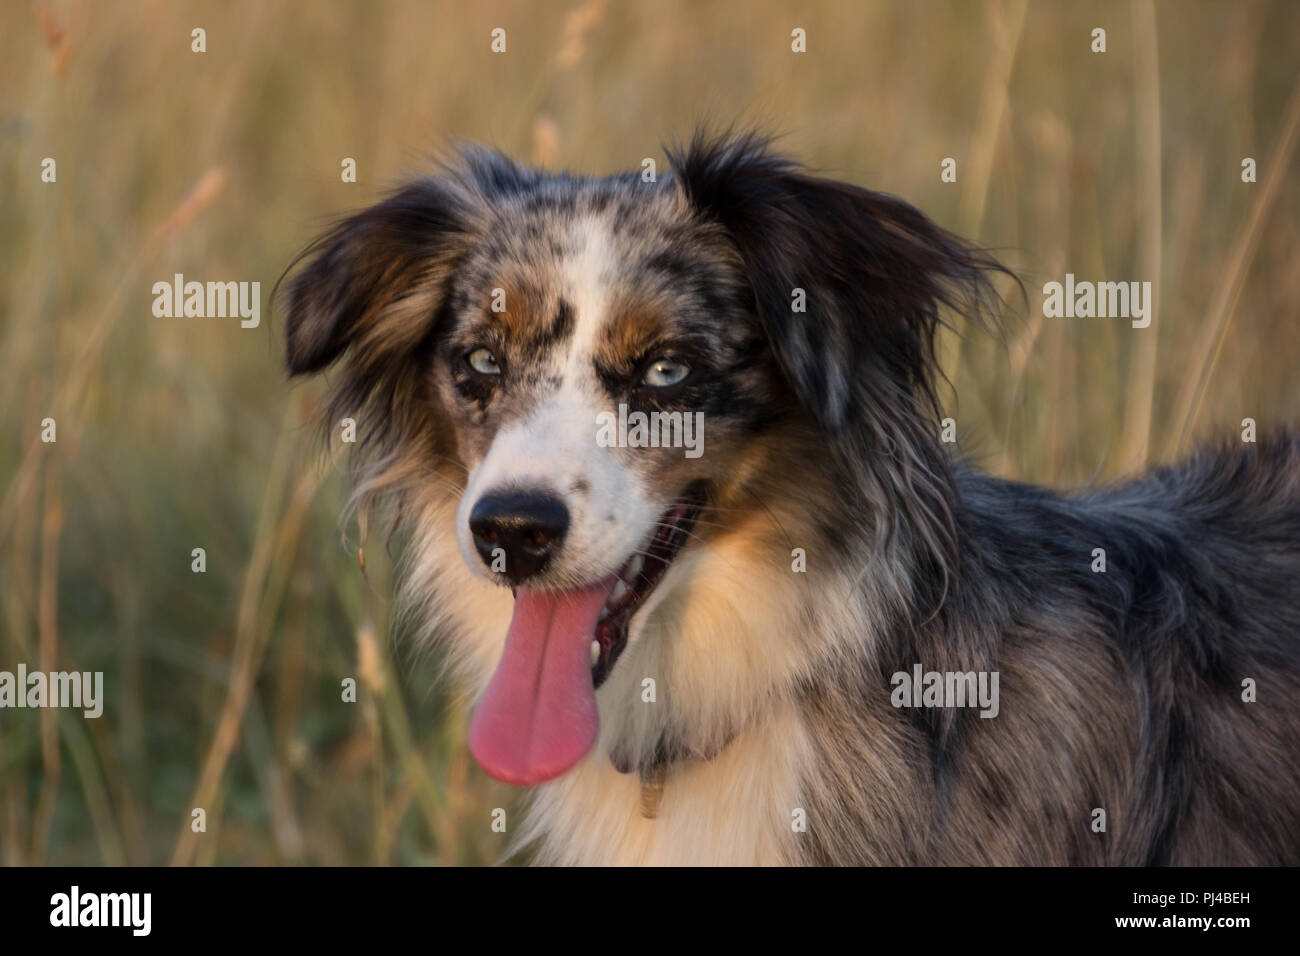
1121, 690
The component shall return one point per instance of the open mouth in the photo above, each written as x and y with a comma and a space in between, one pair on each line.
538, 715
636, 579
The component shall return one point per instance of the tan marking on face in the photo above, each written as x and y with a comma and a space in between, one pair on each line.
635, 326
526, 308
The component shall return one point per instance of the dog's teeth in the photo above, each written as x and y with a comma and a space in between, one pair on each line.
620, 589
595, 653
634, 567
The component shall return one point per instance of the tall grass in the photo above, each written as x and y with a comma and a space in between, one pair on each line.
224, 688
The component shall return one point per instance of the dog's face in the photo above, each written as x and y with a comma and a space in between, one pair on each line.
577, 304
580, 308
590, 365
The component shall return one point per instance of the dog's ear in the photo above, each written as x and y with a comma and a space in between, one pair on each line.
869, 270
373, 283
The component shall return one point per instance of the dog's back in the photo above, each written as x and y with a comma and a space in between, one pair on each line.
1145, 638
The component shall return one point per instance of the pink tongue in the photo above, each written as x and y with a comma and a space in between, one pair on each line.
538, 717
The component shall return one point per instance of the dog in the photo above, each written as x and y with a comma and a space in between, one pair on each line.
705, 659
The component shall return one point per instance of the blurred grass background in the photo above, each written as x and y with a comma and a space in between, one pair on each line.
223, 688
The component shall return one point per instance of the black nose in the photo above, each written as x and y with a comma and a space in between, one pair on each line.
516, 532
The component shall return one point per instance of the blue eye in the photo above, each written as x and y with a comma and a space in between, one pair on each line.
483, 362
665, 372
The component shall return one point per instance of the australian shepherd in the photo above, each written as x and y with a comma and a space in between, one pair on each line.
680, 512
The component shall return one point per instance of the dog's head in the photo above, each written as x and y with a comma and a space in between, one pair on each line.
602, 373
